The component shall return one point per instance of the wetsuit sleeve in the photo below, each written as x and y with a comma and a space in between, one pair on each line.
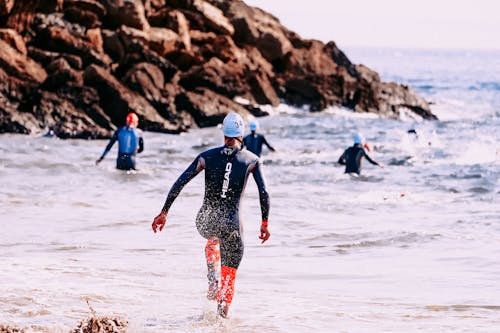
267, 144
263, 194
369, 158
110, 144
342, 158
141, 145
192, 170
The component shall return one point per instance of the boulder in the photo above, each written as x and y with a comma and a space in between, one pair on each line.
174, 20
61, 40
6, 7
14, 39
223, 78
88, 13
214, 17
207, 107
67, 121
177, 63
126, 12
146, 79
61, 74
118, 100
112, 45
19, 65
262, 89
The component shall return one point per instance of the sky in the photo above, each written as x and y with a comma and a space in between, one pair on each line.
451, 24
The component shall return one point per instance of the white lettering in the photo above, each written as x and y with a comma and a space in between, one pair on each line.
225, 183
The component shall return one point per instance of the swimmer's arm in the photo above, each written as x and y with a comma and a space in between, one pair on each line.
373, 161
141, 145
264, 201
108, 147
342, 159
263, 194
195, 168
271, 148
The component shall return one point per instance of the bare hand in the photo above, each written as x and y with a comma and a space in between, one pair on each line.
381, 165
264, 233
159, 221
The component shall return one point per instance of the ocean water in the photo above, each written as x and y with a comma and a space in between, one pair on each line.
412, 247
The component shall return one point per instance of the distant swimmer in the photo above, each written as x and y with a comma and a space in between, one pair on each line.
353, 156
129, 144
218, 220
254, 141
412, 133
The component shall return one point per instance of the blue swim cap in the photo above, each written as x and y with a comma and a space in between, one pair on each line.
254, 125
359, 138
233, 125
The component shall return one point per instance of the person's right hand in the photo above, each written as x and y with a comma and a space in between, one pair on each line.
264, 233
159, 221
98, 161
381, 165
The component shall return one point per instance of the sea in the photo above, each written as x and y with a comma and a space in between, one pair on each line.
411, 247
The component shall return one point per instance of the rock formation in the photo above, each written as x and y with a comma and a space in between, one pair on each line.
78, 67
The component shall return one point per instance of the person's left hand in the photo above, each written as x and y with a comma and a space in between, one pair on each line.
159, 221
264, 233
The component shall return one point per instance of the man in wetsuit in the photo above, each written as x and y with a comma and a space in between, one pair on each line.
353, 156
226, 173
129, 143
254, 141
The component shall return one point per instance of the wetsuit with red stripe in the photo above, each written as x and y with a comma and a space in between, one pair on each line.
226, 173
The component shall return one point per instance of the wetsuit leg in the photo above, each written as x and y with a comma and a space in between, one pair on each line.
231, 246
125, 162
212, 253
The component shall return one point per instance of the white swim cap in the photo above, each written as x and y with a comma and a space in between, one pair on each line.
359, 138
254, 125
233, 125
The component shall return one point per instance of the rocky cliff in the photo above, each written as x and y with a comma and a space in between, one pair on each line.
79, 66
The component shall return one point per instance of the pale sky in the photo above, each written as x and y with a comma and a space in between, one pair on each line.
392, 23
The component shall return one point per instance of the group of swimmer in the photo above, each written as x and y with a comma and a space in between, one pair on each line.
227, 168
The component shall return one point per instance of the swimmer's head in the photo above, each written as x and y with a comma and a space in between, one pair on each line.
132, 119
359, 139
233, 125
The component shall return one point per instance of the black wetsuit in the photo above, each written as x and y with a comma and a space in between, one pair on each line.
226, 174
129, 142
352, 158
254, 142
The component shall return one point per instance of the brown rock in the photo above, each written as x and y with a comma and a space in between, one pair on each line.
214, 17
67, 121
174, 20
207, 107
126, 12
146, 79
60, 74
216, 75
57, 39
88, 13
95, 38
113, 45
12, 121
14, 39
201, 37
117, 100
163, 41
259, 28
6, 7
19, 65
262, 89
